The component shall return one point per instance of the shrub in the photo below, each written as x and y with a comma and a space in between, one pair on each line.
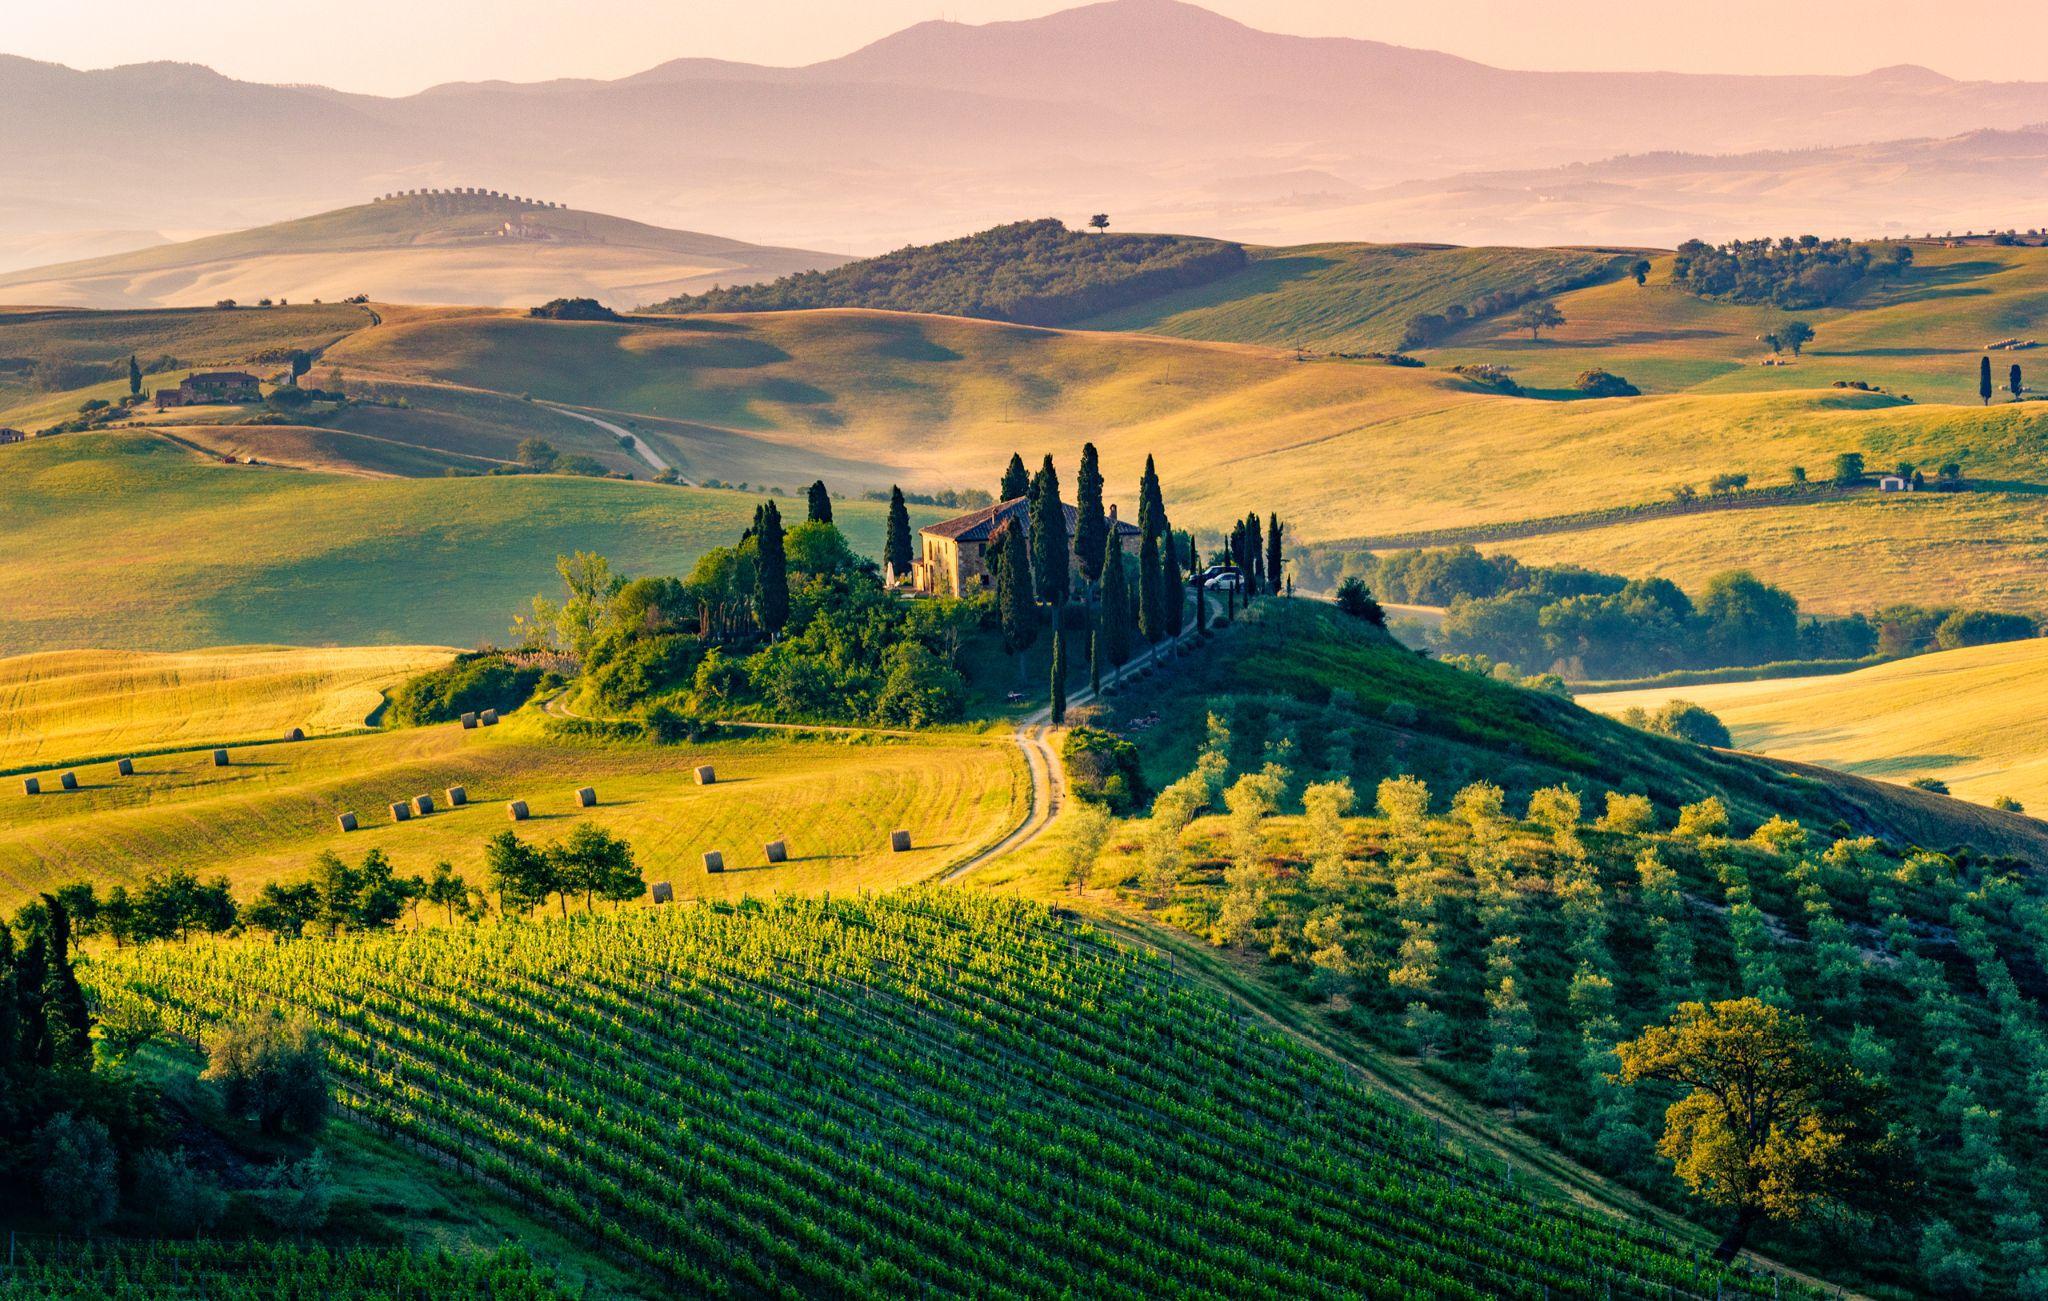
573, 309
2008, 804
1103, 768
1709, 817
1633, 814
1355, 600
1982, 628
1604, 384
1688, 722
1933, 784
273, 1070
476, 681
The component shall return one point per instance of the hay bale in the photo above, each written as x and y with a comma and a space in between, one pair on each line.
347, 821
664, 892
489, 718
517, 808
469, 720
706, 775
31, 786
125, 767
714, 861
423, 804
220, 758
899, 841
457, 797
296, 734
69, 781
586, 797
778, 852
401, 812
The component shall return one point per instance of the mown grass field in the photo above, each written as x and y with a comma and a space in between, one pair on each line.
71, 705
126, 541
1973, 718
1920, 333
266, 816
1989, 551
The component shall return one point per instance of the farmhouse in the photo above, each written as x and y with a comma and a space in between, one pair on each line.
1896, 483
11, 436
211, 388
952, 558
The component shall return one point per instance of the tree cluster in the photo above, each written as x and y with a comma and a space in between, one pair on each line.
1030, 272
1792, 272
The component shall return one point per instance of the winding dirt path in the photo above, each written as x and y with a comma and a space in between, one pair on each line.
637, 443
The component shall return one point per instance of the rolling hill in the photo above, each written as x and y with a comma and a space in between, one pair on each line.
491, 250
130, 541
1972, 718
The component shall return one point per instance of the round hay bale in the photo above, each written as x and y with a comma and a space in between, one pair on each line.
69, 781
125, 767
401, 812
517, 808
586, 797
778, 852
220, 758
469, 720
899, 841
663, 892
706, 775
457, 797
489, 718
296, 734
423, 804
31, 786
714, 861
347, 821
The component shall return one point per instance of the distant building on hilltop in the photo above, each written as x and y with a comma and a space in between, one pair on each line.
12, 436
952, 558
211, 388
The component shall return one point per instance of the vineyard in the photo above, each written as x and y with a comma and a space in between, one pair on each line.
253, 1271
927, 1092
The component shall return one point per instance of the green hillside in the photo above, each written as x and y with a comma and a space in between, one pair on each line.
256, 1271
1350, 297
128, 540
933, 1092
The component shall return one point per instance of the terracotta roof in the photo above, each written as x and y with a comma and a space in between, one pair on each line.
977, 526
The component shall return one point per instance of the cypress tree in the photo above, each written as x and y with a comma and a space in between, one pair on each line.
135, 376
1151, 606
1013, 592
69, 1023
1114, 621
771, 570
1170, 586
1151, 506
1051, 557
821, 504
1095, 656
1016, 480
1273, 556
2013, 384
1202, 608
1984, 380
1059, 675
1091, 525
896, 550
1254, 555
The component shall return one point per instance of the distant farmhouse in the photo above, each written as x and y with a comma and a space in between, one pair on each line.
12, 436
211, 388
952, 557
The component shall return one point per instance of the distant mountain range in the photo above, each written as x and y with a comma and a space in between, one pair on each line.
467, 249
1160, 112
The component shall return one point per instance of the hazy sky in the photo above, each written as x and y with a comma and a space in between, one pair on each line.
399, 46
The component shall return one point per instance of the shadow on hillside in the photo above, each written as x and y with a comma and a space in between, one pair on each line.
1924, 283
692, 324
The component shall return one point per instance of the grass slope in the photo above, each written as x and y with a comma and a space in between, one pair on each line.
1973, 718
1345, 297
422, 250
130, 541
933, 1092
71, 705
267, 816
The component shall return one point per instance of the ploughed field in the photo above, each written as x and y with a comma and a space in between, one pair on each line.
932, 1092
274, 808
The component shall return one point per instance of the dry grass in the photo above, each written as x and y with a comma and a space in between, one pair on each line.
1973, 718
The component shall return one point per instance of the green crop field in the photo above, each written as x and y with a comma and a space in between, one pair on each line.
63, 706
1973, 718
267, 815
125, 540
259, 1271
1346, 297
934, 1092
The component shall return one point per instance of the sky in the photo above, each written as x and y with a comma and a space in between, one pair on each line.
400, 46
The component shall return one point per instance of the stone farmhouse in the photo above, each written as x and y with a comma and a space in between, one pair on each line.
952, 557
211, 388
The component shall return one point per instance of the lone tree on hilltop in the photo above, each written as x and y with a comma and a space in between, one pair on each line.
1984, 380
1640, 269
1538, 316
820, 503
135, 376
896, 549
2013, 384
1753, 1132
1016, 480
1795, 335
1099, 222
